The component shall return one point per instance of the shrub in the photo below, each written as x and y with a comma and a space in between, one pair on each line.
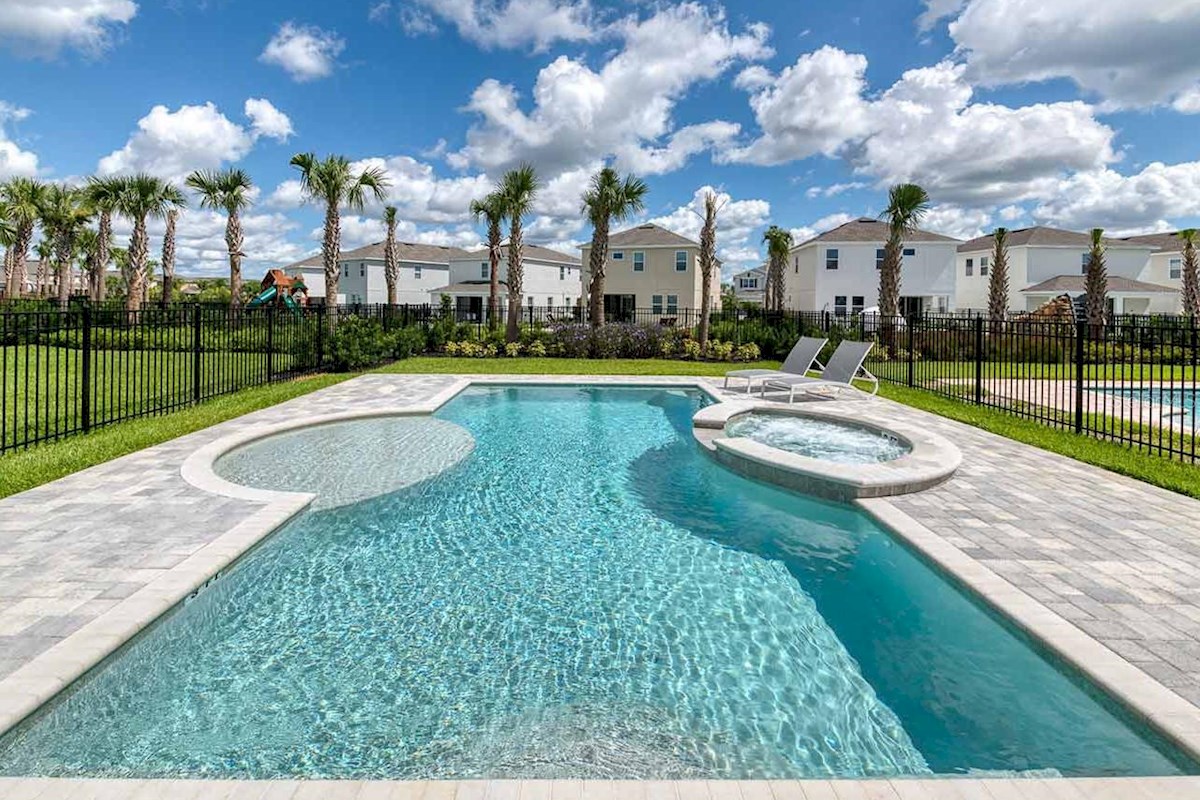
358, 343
453, 348
512, 349
691, 349
407, 342
536, 350
747, 352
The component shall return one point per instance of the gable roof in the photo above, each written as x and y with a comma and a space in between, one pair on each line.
869, 229
761, 270
1116, 283
315, 260
648, 235
1161, 242
406, 251
530, 250
1041, 236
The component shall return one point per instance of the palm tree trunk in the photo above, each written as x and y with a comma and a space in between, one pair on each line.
8, 272
391, 268
1191, 281
515, 282
139, 251
597, 260
778, 282
494, 239
104, 233
330, 250
168, 257
63, 250
889, 290
24, 238
233, 241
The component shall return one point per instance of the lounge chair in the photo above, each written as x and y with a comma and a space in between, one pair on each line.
844, 367
799, 361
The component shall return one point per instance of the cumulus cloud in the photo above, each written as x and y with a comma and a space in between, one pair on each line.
496, 24
805, 232
14, 161
1107, 199
305, 51
44, 27
359, 231
171, 144
737, 221
961, 223
580, 115
835, 189
1130, 54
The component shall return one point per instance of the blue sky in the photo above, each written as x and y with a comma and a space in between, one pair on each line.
1007, 111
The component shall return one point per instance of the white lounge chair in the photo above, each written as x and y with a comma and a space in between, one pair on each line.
799, 361
844, 367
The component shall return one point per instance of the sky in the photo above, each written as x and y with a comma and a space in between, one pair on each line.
1072, 113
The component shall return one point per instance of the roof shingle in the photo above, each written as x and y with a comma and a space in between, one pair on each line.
1041, 236
649, 235
869, 229
1076, 283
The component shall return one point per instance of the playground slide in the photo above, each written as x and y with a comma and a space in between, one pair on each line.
290, 303
264, 297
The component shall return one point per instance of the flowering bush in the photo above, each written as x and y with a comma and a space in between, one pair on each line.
720, 351
747, 352
453, 348
536, 350
512, 349
691, 349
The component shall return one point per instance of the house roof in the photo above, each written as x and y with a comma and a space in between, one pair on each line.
1161, 242
760, 270
1076, 283
468, 287
315, 260
530, 250
648, 235
869, 229
406, 251
1041, 236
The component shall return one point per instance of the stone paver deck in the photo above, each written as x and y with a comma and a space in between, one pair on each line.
1114, 558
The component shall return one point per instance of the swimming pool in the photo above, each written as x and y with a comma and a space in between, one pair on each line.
584, 593
1183, 400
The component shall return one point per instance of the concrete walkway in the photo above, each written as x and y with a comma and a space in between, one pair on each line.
1110, 557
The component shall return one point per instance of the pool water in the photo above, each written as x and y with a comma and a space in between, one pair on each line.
585, 594
1179, 398
816, 438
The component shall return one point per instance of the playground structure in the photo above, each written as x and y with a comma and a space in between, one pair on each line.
278, 288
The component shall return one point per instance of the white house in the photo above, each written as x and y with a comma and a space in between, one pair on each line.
423, 268
550, 280
750, 285
313, 270
1044, 263
838, 270
1165, 266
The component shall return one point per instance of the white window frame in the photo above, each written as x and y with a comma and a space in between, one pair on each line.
672, 304
908, 251
840, 305
618, 255
417, 271
983, 265
970, 267
1085, 260
679, 253
485, 270
880, 255
639, 261
857, 304
832, 256
656, 304
1175, 268
562, 273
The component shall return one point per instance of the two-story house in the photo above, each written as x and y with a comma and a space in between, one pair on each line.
838, 270
550, 279
649, 267
423, 268
749, 286
1044, 263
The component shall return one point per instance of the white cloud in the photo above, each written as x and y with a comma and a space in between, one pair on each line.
813, 107
305, 51
1188, 102
1106, 199
44, 27
580, 115
936, 10
1011, 213
835, 189
359, 231
1132, 54
171, 144
14, 161
267, 120
961, 223
805, 232
499, 23
737, 222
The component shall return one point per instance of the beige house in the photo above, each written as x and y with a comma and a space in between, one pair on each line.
1165, 266
650, 268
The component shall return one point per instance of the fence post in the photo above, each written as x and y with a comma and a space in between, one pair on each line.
85, 400
322, 311
196, 361
978, 360
270, 343
1080, 335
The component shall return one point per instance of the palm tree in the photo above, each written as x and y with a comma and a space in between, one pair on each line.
145, 197
87, 250
176, 201
519, 187
44, 250
1095, 283
332, 182
391, 263
491, 210
907, 205
229, 191
1191, 273
708, 264
608, 198
8, 235
103, 194
120, 257
24, 198
64, 214
998, 279
779, 245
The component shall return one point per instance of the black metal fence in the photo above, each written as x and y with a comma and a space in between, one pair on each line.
1133, 380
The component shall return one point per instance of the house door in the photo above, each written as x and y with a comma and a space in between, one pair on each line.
912, 307
619, 307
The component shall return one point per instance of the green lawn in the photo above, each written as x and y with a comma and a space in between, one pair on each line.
568, 366
928, 371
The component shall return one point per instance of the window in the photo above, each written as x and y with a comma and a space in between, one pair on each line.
345, 270
549, 302
796, 263
748, 283
656, 304
672, 304
1176, 267
417, 272
970, 267
529, 301
857, 304
639, 262
839, 305
1085, 259
362, 270
983, 265
831, 258
484, 270
680, 262
879, 251
562, 273
618, 255
908, 251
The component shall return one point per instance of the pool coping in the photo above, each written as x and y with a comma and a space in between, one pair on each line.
27, 689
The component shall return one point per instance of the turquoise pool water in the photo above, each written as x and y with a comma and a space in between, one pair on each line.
584, 594
1179, 398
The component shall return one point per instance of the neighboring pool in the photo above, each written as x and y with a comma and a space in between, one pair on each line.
1179, 398
584, 594
817, 438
